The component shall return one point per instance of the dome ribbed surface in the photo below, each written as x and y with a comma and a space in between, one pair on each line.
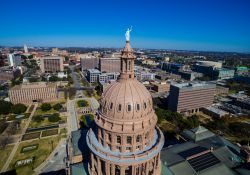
118, 96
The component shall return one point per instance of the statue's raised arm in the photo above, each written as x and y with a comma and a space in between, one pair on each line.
127, 34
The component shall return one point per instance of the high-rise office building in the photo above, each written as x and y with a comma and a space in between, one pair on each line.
89, 63
52, 64
14, 60
110, 64
190, 97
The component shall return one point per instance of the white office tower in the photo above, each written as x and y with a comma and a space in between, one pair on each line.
25, 48
14, 60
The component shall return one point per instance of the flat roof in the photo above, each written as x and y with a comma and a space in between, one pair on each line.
79, 145
197, 157
216, 110
193, 85
34, 85
52, 57
94, 71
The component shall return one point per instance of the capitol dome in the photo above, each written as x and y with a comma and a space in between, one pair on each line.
126, 99
126, 140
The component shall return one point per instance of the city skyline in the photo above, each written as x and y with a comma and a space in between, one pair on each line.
192, 25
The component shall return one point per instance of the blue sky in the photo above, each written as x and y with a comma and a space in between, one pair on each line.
219, 25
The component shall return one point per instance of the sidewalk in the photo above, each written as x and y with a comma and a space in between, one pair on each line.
48, 160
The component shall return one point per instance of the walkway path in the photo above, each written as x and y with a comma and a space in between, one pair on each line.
55, 161
13, 152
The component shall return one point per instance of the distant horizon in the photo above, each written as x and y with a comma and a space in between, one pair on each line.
214, 25
99, 47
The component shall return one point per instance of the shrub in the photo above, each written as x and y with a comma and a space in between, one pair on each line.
45, 107
57, 107
18, 108
54, 117
53, 78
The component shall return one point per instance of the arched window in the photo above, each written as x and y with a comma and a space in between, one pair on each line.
138, 138
118, 139
145, 105
138, 107
117, 170
111, 106
119, 108
129, 140
129, 107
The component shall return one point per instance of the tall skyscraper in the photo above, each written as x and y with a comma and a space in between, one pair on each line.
126, 140
14, 60
25, 48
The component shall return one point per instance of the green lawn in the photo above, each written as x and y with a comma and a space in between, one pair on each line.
44, 149
4, 153
51, 111
232, 91
40, 112
34, 124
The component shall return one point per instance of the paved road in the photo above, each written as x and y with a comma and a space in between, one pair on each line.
56, 160
72, 119
77, 84
76, 81
13, 152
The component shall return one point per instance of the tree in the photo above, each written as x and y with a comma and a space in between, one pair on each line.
66, 58
5, 107
54, 117
45, 107
57, 107
18, 108
53, 78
